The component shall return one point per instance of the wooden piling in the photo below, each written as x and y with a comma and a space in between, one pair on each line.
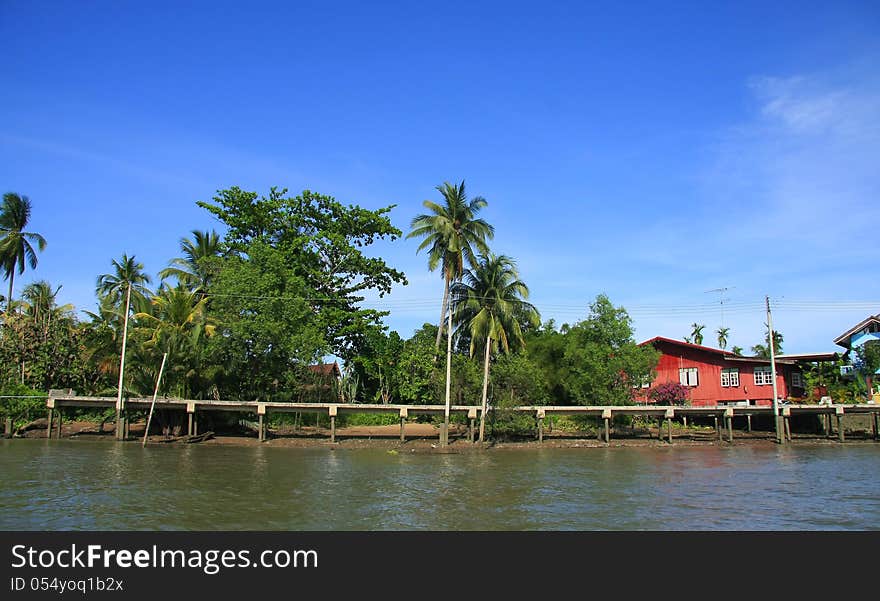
728, 417
262, 433
606, 417
58, 427
876, 424
332, 410
404, 413
718, 429
540, 417
195, 423
840, 435
189, 424
8, 428
749, 422
126, 425
670, 413
49, 427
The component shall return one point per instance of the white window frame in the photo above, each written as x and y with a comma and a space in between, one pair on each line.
732, 377
689, 376
763, 376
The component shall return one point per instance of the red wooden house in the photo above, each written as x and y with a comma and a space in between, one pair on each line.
719, 377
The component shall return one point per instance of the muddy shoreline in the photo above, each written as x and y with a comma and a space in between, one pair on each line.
424, 438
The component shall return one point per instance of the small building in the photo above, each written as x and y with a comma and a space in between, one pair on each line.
719, 377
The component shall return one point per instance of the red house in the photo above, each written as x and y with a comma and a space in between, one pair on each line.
719, 377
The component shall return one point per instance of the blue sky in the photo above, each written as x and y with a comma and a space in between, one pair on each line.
650, 151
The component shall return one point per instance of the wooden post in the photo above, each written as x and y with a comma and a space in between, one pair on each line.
49, 427
8, 429
540, 417
195, 423
261, 436
828, 425
58, 429
840, 435
332, 411
728, 415
190, 419
472, 418
189, 424
126, 425
684, 421
786, 423
876, 425
404, 413
718, 429
119, 419
749, 422
606, 417
670, 413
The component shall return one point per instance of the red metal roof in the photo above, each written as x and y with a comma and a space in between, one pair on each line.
326, 369
708, 349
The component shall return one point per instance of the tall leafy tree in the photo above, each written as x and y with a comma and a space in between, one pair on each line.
490, 305
452, 233
127, 271
15, 243
199, 263
322, 243
722, 333
697, 333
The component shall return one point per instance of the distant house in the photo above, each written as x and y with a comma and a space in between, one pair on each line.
859, 334
719, 377
324, 380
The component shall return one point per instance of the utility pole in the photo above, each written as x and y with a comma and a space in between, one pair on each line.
780, 438
119, 417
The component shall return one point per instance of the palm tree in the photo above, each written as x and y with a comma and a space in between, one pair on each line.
697, 333
722, 337
737, 350
490, 306
127, 272
194, 269
39, 303
15, 243
451, 232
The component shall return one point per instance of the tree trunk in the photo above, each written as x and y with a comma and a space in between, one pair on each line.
9, 298
442, 316
485, 388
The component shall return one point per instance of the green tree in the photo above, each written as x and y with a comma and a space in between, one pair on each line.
723, 333
602, 360
15, 243
321, 244
737, 350
126, 272
697, 333
490, 302
452, 233
763, 350
199, 263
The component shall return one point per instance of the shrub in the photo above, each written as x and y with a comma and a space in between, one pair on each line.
669, 393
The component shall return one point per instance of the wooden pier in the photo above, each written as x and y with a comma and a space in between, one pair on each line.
722, 416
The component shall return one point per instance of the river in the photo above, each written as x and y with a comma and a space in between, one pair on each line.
79, 485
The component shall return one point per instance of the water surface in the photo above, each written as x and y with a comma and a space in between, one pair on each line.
79, 485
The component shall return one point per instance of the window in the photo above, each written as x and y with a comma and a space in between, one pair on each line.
797, 380
688, 376
730, 377
763, 376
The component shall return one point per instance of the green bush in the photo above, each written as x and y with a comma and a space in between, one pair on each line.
18, 403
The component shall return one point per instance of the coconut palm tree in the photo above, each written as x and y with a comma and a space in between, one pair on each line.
697, 333
722, 337
127, 271
490, 306
195, 270
452, 234
15, 243
40, 305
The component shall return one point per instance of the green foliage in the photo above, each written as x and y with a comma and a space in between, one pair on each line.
602, 360
416, 375
318, 242
15, 243
21, 403
518, 380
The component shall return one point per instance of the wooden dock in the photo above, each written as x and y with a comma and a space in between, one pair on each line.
723, 416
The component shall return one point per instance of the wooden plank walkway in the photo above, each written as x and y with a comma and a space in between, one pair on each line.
723, 415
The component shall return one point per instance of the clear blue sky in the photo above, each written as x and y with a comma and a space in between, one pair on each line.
652, 151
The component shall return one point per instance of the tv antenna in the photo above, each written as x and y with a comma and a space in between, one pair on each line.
721, 298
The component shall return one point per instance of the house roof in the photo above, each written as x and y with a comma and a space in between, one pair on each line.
699, 347
810, 356
326, 369
728, 355
843, 339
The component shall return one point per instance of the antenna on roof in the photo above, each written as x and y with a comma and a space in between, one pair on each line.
721, 292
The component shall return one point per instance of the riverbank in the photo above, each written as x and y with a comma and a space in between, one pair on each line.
425, 438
